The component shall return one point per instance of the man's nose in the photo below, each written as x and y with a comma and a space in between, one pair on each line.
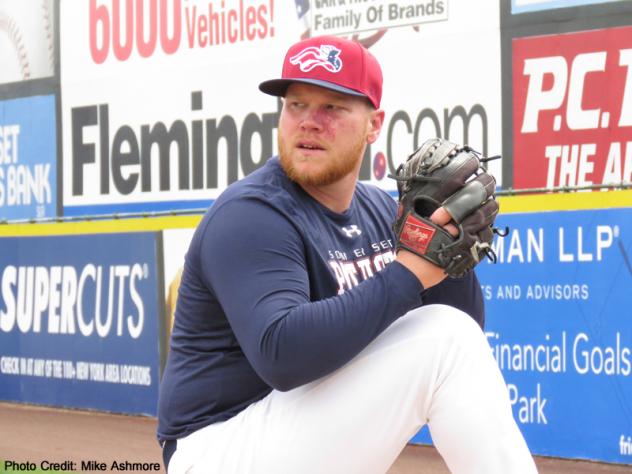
312, 119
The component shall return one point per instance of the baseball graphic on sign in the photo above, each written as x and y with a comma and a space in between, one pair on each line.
379, 165
26, 40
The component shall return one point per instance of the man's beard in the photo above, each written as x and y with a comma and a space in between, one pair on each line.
340, 164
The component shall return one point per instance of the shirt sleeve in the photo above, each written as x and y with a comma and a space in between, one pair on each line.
463, 293
253, 258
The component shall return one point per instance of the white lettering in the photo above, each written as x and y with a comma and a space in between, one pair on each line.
135, 330
89, 271
625, 117
7, 317
60, 292
578, 118
9, 144
54, 301
530, 409
604, 239
538, 98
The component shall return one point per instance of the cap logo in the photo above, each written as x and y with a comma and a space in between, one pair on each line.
326, 56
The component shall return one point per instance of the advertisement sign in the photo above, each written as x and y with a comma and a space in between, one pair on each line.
329, 18
79, 321
27, 40
175, 243
161, 108
524, 6
559, 322
572, 115
28, 163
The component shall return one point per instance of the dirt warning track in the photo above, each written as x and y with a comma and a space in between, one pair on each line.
106, 442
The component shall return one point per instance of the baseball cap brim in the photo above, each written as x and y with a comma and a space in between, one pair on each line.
278, 87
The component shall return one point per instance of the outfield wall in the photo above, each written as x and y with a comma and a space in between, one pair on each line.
557, 316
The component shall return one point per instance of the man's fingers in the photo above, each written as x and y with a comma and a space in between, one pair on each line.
442, 218
452, 230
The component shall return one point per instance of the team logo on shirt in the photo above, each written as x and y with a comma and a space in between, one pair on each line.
351, 231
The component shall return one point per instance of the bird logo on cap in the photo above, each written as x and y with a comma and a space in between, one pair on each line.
325, 56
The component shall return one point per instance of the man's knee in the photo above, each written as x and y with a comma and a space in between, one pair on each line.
429, 334
443, 321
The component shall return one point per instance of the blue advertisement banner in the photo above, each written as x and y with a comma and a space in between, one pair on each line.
525, 6
79, 321
28, 158
559, 322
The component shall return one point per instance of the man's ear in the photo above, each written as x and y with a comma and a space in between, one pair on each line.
376, 120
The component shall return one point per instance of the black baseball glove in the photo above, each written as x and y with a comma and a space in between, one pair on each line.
441, 173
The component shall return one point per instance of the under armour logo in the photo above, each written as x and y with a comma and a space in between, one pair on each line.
352, 230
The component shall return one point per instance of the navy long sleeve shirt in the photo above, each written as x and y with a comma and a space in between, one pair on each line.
278, 290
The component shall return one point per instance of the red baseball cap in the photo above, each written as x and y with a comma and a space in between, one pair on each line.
333, 63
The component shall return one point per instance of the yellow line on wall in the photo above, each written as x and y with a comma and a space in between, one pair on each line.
565, 202
99, 227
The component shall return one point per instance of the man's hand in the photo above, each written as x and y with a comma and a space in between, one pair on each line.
447, 207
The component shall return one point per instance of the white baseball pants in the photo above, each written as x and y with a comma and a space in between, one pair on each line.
432, 366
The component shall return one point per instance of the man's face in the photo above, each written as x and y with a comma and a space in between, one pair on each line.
322, 133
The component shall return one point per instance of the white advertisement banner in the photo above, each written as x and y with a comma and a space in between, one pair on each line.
341, 17
161, 108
